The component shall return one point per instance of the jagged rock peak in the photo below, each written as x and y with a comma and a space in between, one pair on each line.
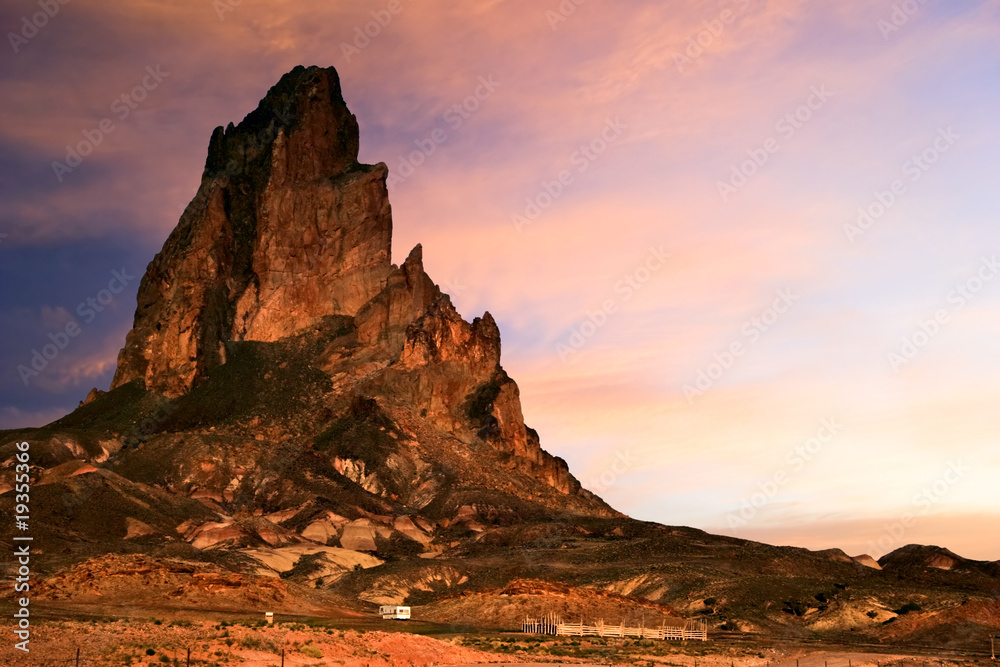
441, 335
408, 293
415, 258
286, 229
307, 101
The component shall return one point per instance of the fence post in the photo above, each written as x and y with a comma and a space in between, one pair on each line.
189, 658
282, 657
77, 657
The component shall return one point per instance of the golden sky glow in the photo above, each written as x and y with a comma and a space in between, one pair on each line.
617, 123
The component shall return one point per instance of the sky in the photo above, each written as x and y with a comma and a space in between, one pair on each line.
743, 254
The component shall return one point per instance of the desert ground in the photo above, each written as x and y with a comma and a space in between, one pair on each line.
316, 643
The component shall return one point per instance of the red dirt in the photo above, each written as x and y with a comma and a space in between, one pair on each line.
119, 643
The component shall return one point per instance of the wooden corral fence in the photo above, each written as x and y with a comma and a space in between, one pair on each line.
551, 625
546, 625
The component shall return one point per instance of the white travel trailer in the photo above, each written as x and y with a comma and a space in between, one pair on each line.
394, 612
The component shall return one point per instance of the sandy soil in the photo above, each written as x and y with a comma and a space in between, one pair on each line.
129, 643
805, 658
163, 644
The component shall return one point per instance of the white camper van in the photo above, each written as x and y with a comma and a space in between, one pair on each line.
394, 612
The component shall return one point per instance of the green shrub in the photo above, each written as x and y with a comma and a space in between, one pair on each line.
311, 651
255, 643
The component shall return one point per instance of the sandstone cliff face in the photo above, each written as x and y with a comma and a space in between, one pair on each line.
407, 295
285, 229
451, 369
288, 230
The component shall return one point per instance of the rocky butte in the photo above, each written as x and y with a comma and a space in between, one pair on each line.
289, 239
297, 424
